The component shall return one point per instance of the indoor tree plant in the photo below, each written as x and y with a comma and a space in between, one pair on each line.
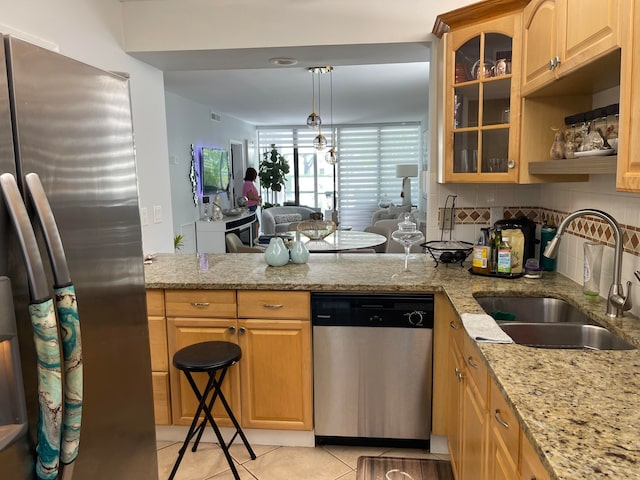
273, 170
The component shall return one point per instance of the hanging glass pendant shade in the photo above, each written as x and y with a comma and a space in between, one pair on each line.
331, 157
320, 142
313, 120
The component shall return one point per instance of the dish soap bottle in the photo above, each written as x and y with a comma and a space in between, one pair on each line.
504, 256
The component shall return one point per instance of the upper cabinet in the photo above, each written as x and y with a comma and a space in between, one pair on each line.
628, 177
482, 101
560, 36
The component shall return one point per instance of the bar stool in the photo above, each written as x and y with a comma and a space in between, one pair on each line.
214, 358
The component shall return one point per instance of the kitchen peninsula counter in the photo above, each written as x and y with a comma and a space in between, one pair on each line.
580, 409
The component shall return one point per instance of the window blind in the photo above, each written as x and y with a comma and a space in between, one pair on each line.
366, 170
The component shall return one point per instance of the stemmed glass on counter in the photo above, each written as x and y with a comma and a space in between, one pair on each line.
407, 235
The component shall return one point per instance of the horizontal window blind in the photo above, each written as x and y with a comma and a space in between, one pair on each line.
368, 156
367, 159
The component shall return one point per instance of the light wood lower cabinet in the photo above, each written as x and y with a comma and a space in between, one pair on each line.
159, 356
185, 331
271, 386
484, 437
276, 374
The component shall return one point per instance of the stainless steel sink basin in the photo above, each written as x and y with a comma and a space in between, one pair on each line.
532, 310
564, 336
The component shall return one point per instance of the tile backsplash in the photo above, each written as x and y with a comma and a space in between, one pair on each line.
480, 205
591, 229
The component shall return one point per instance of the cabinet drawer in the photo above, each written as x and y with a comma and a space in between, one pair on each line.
155, 302
476, 366
201, 303
161, 408
504, 421
158, 343
271, 304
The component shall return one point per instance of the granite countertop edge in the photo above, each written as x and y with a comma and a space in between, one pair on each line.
567, 402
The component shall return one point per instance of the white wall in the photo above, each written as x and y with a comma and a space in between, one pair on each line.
91, 31
156, 25
189, 122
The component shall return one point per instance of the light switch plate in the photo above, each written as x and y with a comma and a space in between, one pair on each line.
157, 214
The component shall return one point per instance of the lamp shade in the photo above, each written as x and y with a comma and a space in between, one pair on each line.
403, 171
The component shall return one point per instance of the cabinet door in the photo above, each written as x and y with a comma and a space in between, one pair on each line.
590, 29
628, 173
187, 331
539, 44
531, 467
482, 107
473, 433
455, 418
276, 374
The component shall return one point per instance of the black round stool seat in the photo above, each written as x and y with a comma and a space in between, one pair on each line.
204, 356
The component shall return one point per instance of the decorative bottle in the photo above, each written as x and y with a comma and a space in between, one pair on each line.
276, 253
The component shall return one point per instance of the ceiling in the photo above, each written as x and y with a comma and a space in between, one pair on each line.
371, 83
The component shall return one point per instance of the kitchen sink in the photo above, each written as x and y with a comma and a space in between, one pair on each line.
533, 310
564, 336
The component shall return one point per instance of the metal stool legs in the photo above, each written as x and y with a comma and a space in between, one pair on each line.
212, 388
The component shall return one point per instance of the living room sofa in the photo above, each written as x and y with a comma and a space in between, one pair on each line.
282, 219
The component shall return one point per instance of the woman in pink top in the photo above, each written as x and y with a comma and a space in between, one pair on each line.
250, 191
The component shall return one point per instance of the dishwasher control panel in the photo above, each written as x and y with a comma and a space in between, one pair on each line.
372, 310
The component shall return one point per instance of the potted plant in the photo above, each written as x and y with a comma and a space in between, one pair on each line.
272, 172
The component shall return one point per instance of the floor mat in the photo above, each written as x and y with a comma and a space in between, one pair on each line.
391, 468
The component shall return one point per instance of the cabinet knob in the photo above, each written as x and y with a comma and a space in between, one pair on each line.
242, 330
459, 374
550, 64
511, 164
471, 362
453, 325
232, 330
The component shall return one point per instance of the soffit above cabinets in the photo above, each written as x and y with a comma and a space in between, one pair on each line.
474, 13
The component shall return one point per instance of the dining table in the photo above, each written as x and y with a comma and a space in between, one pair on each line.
341, 241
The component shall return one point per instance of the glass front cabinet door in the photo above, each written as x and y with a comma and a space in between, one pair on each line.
482, 102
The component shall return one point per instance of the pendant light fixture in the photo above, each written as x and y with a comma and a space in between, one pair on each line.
313, 120
331, 156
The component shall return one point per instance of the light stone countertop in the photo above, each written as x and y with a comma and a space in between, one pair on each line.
580, 409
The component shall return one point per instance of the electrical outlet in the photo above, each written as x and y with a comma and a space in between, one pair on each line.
144, 216
446, 219
157, 214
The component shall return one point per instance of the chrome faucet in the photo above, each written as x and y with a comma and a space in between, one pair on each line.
617, 302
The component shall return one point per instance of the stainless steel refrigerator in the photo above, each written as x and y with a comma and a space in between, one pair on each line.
69, 125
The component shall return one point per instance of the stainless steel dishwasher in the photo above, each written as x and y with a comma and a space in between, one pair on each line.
373, 359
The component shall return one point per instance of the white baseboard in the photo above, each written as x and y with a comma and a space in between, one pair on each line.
284, 438
438, 445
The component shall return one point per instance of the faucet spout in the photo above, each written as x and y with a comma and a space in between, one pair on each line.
617, 301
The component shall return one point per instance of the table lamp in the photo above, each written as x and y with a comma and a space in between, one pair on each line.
405, 172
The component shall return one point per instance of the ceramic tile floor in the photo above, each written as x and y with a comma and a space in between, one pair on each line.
274, 463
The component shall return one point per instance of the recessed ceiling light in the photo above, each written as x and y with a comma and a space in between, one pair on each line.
283, 61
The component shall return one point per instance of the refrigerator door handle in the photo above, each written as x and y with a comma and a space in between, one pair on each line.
67, 308
45, 335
